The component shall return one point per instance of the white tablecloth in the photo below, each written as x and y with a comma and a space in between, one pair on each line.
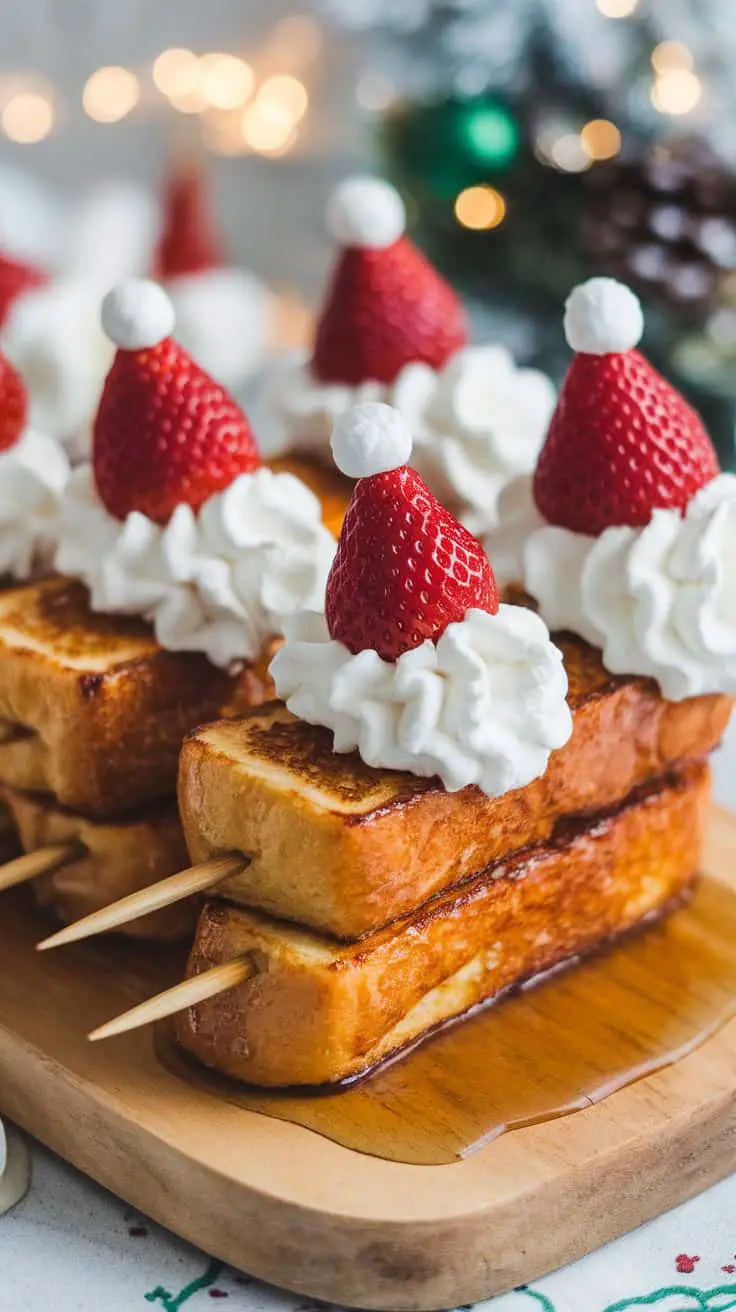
71, 1247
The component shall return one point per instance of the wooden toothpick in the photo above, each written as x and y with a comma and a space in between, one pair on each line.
187, 994
196, 879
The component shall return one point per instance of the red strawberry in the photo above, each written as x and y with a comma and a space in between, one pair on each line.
13, 405
386, 305
16, 278
622, 441
165, 431
405, 568
189, 243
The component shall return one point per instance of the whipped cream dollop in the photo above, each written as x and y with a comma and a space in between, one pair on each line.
221, 582
484, 705
659, 600
224, 319
477, 423
33, 476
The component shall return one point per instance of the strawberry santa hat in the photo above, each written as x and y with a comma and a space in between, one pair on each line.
622, 441
386, 306
223, 314
405, 568
166, 432
13, 405
16, 277
189, 243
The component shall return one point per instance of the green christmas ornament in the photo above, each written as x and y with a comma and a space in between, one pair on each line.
490, 132
454, 143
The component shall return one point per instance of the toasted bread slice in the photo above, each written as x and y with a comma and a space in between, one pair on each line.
315, 1012
344, 848
118, 858
98, 708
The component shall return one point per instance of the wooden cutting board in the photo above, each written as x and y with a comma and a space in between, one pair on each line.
294, 1208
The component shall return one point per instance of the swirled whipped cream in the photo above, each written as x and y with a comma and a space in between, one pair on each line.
477, 423
659, 600
484, 705
223, 318
222, 581
33, 475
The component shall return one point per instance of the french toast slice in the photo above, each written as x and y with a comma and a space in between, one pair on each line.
93, 710
345, 849
116, 858
315, 1012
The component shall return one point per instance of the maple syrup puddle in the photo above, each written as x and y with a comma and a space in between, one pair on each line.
570, 1040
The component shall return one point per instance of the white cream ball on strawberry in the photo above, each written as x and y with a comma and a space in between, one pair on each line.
414, 663
391, 329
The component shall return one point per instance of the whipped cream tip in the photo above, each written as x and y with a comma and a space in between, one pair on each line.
366, 212
603, 317
370, 438
137, 314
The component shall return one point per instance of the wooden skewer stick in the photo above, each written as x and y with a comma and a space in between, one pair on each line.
187, 994
40, 862
196, 879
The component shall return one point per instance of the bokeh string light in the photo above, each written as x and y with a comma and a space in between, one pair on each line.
480, 208
28, 117
260, 104
110, 94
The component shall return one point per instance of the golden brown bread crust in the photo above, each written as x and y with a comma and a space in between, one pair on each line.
101, 707
118, 859
315, 1012
345, 848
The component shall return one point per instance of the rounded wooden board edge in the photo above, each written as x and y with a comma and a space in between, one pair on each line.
303, 1213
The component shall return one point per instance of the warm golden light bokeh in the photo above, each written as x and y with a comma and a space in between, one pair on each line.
265, 135
296, 40
616, 8
671, 54
600, 138
225, 81
677, 91
110, 94
282, 98
176, 71
480, 208
28, 117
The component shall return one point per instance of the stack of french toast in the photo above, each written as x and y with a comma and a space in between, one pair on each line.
489, 757
93, 710
376, 906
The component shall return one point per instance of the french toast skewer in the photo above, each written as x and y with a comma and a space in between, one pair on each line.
388, 819
303, 1009
188, 993
186, 883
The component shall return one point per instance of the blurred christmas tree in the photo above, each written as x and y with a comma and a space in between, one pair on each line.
539, 141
